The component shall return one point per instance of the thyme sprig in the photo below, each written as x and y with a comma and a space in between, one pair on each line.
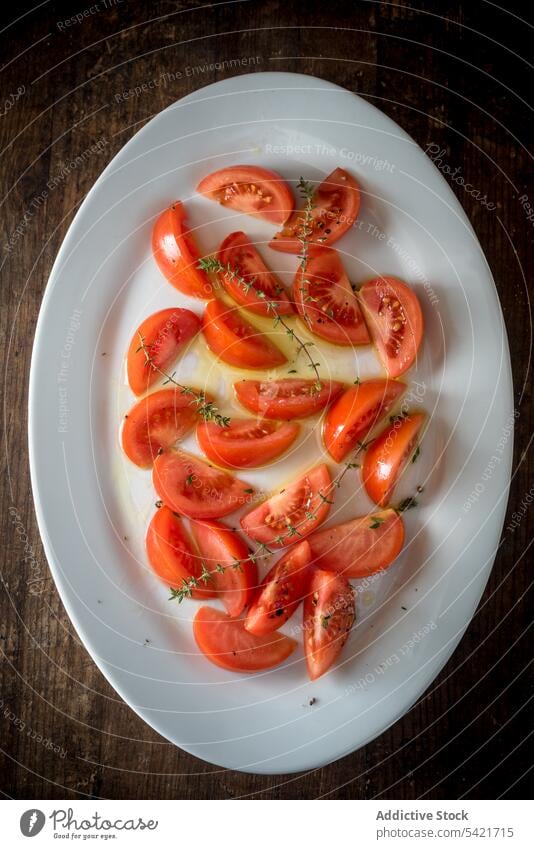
188, 585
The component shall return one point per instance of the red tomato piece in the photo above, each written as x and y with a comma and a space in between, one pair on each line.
395, 321
177, 255
286, 399
263, 292
226, 643
329, 613
294, 512
171, 555
249, 189
359, 547
335, 206
245, 443
233, 339
157, 422
195, 489
165, 334
281, 592
354, 415
388, 455
233, 575
325, 300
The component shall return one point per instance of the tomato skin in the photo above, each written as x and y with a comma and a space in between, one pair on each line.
329, 614
177, 255
165, 334
195, 489
281, 592
360, 547
237, 342
245, 443
388, 455
250, 189
286, 399
226, 643
353, 416
335, 207
325, 300
304, 503
157, 422
395, 321
218, 545
170, 553
238, 253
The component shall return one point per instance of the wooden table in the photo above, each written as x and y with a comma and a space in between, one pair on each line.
65, 732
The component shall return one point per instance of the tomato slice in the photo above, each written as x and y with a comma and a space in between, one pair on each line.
335, 207
233, 575
239, 254
353, 416
226, 643
165, 335
245, 443
281, 592
388, 455
177, 255
286, 399
155, 423
395, 321
233, 339
249, 189
359, 547
195, 489
329, 614
294, 512
325, 300
171, 555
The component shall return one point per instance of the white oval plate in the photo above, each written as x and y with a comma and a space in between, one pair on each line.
93, 506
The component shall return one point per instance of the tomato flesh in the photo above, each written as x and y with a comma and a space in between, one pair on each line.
195, 489
233, 339
329, 614
325, 300
249, 189
171, 555
227, 643
177, 255
354, 415
281, 592
360, 547
395, 321
286, 399
164, 334
294, 512
157, 422
388, 455
258, 289
245, 443
334, 209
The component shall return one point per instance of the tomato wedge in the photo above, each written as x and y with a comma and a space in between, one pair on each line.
294, 512
233, 575
195, 489
245, 443
266, 295
157, 422
226, 643
329, 613
177, 255
388, 455
165, 335
359, 547
249, 189
334, 209
286, 399
353, 416
395, 321
325, 300
281, 592
233, 339
171, 555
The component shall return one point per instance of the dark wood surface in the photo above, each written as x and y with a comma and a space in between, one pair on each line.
451, 74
